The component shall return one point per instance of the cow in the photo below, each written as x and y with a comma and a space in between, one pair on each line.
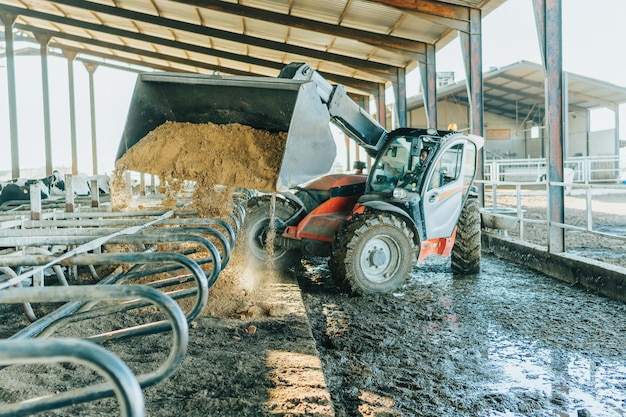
81, 184
18, 189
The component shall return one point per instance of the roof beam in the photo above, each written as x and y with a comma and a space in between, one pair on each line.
605, 103
355, 83
140, 37
378, 69
413, 49
126, 60
446, 14
150, 39
519, 93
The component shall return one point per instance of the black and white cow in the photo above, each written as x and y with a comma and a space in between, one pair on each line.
19, 188
81, 184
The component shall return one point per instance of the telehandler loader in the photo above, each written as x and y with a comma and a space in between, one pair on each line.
374, 227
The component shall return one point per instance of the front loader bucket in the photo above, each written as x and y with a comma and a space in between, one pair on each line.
271, 104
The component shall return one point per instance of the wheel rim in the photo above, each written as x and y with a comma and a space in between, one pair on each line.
257, 239
379, 259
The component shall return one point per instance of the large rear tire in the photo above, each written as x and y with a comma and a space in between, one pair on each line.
372, 254
258, 234
465, 257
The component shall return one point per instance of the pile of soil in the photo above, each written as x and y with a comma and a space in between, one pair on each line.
232, 155
216, 158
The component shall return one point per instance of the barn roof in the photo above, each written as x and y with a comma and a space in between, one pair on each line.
359, 43
518, 90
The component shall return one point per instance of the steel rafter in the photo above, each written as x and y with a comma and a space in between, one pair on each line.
377, 69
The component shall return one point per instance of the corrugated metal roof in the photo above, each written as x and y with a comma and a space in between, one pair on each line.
359, 40
518, 90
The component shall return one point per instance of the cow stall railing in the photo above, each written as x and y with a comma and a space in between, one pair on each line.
124, 384
89, 227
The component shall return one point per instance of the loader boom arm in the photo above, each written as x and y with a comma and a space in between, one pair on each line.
346, 114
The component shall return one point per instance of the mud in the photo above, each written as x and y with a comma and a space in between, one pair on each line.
505, 342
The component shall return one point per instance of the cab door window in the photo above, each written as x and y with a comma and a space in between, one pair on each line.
448, 168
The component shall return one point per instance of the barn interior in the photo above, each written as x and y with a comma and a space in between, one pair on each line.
157, 250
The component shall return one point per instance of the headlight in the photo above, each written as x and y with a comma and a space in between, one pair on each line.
399, 193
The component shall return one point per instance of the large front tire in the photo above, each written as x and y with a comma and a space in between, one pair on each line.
465, 257
258, 233
373, 254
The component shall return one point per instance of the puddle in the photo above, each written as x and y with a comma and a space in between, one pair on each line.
544, 339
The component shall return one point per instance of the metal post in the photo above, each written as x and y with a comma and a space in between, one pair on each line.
9, 20
71, 55
91, 68
95, 193
565, 105
617, 165
35, 202
428, 75
400, 91
142, 184
471, 44
381, 111
548, 17
587, 133
69, 194
44, 40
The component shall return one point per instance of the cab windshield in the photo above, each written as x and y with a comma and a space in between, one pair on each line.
393, 165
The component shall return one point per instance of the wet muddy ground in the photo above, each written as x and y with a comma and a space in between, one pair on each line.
505, 342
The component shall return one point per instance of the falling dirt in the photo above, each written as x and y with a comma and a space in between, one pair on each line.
218, 159
231, 155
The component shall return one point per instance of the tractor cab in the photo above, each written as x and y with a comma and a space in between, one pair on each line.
427, 174
404, 159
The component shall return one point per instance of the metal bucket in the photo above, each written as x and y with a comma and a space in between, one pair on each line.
272, 104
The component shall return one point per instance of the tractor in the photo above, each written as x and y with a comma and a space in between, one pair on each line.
416, 200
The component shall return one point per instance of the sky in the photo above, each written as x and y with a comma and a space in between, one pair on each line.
593, 46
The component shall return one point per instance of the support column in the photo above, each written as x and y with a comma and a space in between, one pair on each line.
9, 20
428, 75
471, 45
44, 40
588, 133
91, 68
400, 93
71, 55
548, 17
381, 110
565, 105
617, 167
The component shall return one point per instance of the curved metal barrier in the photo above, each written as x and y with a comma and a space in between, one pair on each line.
64, 241
120, 377
176, 321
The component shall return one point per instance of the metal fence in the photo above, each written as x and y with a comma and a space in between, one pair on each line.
583, 170
512, 218
135, 259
